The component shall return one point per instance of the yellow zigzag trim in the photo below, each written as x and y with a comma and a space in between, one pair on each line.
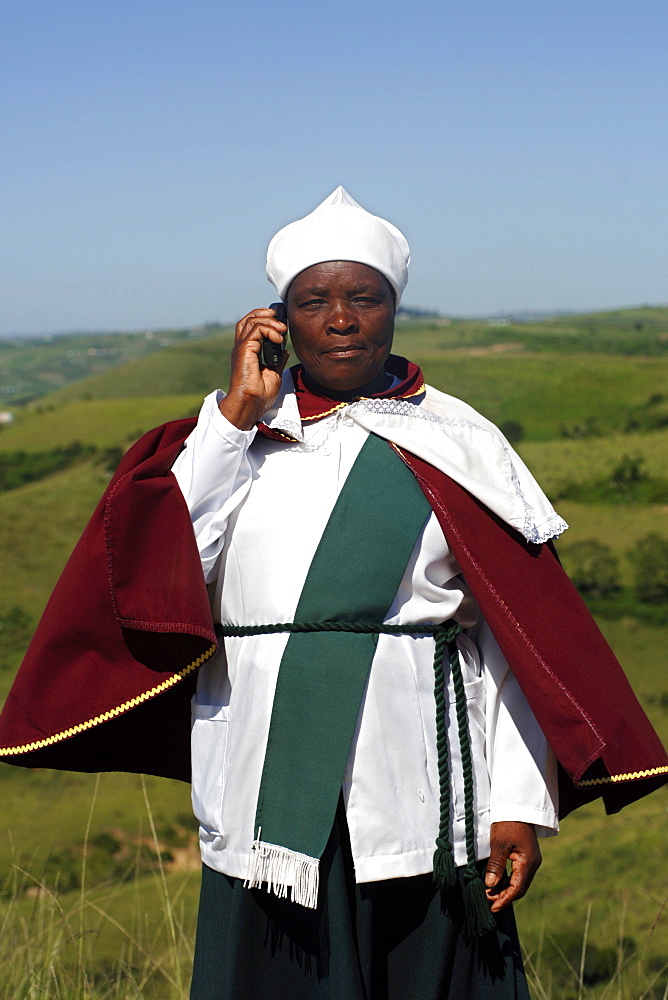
286, 437
416, 392
113, 712
624, 777
325, 413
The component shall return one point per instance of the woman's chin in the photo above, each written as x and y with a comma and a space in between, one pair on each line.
342, 379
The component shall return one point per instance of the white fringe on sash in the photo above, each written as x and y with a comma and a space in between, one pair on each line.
283, 869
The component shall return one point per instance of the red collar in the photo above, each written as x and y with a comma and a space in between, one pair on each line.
313, 406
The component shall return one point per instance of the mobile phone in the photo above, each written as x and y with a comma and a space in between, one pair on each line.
272, 353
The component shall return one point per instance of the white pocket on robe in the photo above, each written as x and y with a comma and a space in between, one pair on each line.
208, 742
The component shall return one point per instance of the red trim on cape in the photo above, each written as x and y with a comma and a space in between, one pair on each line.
313, 406
111, 640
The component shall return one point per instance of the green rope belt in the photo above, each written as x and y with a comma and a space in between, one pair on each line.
477, 915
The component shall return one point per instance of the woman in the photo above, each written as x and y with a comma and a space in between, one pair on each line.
340, 777
293, 445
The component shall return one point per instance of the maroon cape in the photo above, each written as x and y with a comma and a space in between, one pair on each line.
130, 620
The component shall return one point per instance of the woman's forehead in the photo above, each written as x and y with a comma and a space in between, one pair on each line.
322, 276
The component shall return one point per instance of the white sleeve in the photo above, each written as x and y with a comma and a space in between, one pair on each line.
214, 475
522, 766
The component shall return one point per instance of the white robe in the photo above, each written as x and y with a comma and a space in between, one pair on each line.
259, 508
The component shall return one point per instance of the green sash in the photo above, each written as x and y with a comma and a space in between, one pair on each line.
354, 577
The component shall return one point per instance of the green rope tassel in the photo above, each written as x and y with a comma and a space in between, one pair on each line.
444, 872
478, 918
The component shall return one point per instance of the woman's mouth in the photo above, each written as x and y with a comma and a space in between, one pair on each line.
344, 351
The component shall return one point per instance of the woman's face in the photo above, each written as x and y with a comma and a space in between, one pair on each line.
341, 319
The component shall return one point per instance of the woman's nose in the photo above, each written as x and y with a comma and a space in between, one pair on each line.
341, 318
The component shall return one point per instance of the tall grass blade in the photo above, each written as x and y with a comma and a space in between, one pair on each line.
583, 954
84, 985
167, 902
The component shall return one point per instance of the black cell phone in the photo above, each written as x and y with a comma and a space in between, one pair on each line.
272, 353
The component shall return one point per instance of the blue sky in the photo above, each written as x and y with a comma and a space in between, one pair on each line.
149, 150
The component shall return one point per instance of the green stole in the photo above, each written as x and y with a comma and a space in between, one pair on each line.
354, 577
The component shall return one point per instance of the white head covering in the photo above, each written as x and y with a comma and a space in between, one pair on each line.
338, 229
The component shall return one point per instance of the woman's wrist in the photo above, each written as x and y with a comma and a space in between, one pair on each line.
241, 411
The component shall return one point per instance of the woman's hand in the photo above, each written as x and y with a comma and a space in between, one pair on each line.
253, 388
517, 843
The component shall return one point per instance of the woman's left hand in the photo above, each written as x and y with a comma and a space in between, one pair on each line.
517, 843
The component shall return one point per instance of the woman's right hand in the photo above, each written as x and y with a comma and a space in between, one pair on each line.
253, 388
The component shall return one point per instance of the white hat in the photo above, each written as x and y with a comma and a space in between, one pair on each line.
338, 229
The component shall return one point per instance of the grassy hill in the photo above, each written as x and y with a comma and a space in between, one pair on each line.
586, 391
638, 330
186, 368
31, 367
586, 395
51, 364
102, 422
596, 382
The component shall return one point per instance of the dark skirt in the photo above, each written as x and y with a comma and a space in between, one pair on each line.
393, 940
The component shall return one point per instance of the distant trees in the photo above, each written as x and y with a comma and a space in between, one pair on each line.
627, 482
594, 569
513, 430
587, 428
628, 472
650, 415
20, 467
650, 563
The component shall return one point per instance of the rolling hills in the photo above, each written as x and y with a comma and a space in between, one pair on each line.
578, 393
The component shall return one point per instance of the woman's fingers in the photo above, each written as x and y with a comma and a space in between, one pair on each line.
517, 843
251, 330
258, 324
253, 387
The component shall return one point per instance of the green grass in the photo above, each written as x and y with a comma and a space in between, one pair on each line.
610, 326
39, 525
131, 938
541, 392
619, 526
109, 943
30, 367
188, 368
639, 331
102, 422
610, 867
555, 463
546, 392
643, 652
119, 805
